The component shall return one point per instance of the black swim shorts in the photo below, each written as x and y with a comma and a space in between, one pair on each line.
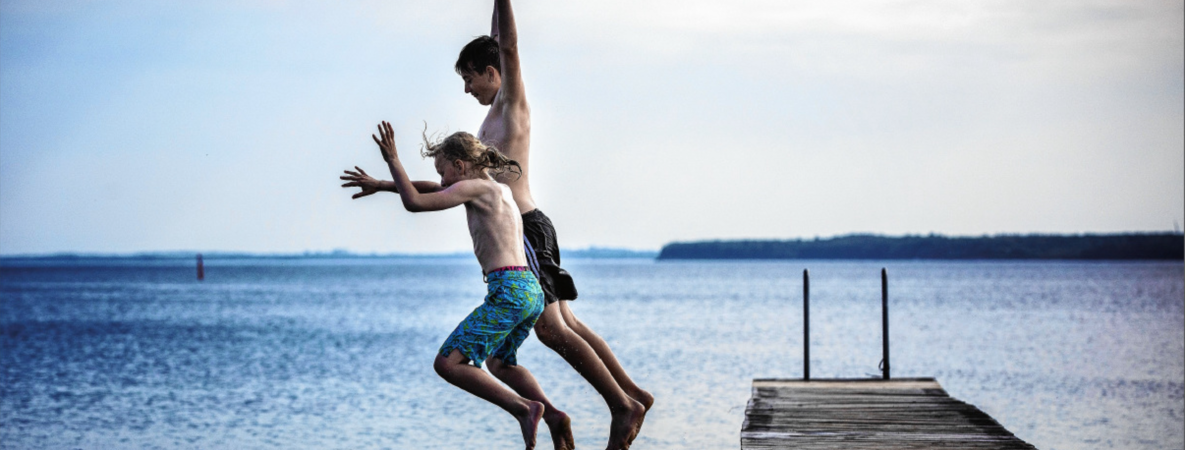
557, 282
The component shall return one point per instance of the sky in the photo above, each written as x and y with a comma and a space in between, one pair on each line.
129, 126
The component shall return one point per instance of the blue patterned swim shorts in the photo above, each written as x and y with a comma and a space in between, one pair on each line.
500, 325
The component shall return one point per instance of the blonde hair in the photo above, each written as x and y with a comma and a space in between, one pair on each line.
462, 146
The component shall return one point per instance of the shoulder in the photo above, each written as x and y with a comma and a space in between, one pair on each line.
475, 185
478, 188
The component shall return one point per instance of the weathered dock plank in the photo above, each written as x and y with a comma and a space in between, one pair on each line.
908, 413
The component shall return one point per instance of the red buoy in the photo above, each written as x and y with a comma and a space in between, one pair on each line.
201, 270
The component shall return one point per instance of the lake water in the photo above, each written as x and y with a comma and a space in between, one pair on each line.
323, 353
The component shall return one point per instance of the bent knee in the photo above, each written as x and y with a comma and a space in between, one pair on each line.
442, 365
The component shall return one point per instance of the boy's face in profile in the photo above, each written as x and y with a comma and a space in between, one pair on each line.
450, 171
482, 85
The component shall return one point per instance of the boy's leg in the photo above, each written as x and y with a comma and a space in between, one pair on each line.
606, 355
555, 333
627, 413
521, 380
455, 369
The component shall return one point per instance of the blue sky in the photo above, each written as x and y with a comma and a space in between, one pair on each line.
141, 126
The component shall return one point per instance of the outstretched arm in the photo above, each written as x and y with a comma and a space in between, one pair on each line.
414, 200
370, 185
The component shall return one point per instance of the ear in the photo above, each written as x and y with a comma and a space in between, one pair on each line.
491, 72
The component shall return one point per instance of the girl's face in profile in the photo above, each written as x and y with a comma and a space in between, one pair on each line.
450, 171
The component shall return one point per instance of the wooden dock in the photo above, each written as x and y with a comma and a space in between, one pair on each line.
902, 413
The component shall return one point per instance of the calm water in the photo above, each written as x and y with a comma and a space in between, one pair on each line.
338, 354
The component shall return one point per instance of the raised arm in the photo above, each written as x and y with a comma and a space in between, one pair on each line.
494, 26
413, 199
506, 33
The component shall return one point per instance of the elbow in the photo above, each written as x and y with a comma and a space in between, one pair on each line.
412, 206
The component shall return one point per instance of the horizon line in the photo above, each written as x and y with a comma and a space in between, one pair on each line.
578, 252
593, 251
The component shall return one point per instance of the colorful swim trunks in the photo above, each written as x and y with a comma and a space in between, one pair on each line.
500, 325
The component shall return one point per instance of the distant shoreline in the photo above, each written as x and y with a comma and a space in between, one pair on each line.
1128, 246
586, 253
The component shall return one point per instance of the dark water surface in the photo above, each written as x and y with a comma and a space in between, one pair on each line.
338, 353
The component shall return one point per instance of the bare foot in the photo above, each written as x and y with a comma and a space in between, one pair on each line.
560, 427
642, 397
625, 425
647, 401
530, 423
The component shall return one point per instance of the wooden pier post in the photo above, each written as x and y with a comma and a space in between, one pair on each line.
864, 413
885, 323
806, 324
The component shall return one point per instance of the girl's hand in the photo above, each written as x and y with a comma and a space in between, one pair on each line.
361, 180
387, 143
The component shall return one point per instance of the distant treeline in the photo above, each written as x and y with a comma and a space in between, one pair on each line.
586, 253
1163, 246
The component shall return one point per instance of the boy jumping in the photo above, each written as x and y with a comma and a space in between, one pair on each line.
494, 331
489, 66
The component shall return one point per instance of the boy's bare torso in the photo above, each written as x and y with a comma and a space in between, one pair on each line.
507, 127
495, 226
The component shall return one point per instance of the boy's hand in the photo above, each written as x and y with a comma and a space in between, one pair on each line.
387, 143
361, 180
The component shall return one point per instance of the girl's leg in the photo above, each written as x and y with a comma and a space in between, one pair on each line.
455, 369
521, 380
